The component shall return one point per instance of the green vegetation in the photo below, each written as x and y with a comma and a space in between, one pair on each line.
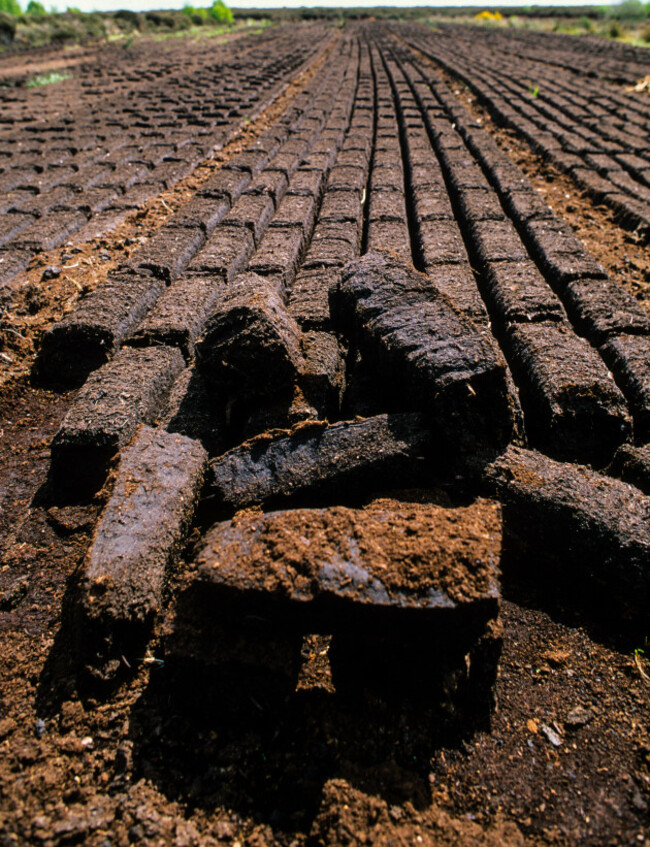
10, 7
35, 8
46, 79
220, 13
628, 20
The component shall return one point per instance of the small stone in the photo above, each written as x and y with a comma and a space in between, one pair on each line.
39, 728
87, 743
578, 717
51, 272
551, 736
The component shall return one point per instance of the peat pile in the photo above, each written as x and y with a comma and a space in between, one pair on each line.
361, 373
395, 582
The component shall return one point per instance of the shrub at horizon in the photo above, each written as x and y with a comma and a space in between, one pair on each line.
220, 12
35, 8
10, 7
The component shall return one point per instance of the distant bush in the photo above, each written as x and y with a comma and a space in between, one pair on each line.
35, 8
7, 29
197, 16
220, 13
615, 29
488, 16
10, 7
126, 16
160, 19
66, 30
645, 34
630, 10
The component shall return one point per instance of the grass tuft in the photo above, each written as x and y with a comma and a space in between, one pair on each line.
46, 79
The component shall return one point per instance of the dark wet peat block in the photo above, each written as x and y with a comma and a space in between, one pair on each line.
180, 315
632, 465
628, 356
408, 590
251, 345
90, 334
573, 407
125, 392
317, 459
567, 527
424, 351
140, 531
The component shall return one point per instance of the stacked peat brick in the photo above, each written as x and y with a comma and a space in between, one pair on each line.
332, 363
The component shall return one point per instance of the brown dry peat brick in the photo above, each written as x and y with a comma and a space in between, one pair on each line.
379, 579
355, 456
180, 315
424, 350
251, 345
140, 531
565, 519
573, 407
90, 334
116, 399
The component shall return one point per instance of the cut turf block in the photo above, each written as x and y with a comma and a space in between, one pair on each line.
89, 335
180, 315
323, 374
315, 459
251, 346
573, 408
140, 532
202, 212
567, 521
130, 390
425, 352
12, 262
309, 297
497, 241
279, 253
195, 411
458, 283
628, 357
632, 465
519, 293
225, 253
410, 582
560, 254
599, 308
169, 251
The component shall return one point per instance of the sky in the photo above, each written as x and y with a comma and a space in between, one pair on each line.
144, 5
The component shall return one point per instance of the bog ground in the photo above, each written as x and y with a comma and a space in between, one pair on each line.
325, 402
